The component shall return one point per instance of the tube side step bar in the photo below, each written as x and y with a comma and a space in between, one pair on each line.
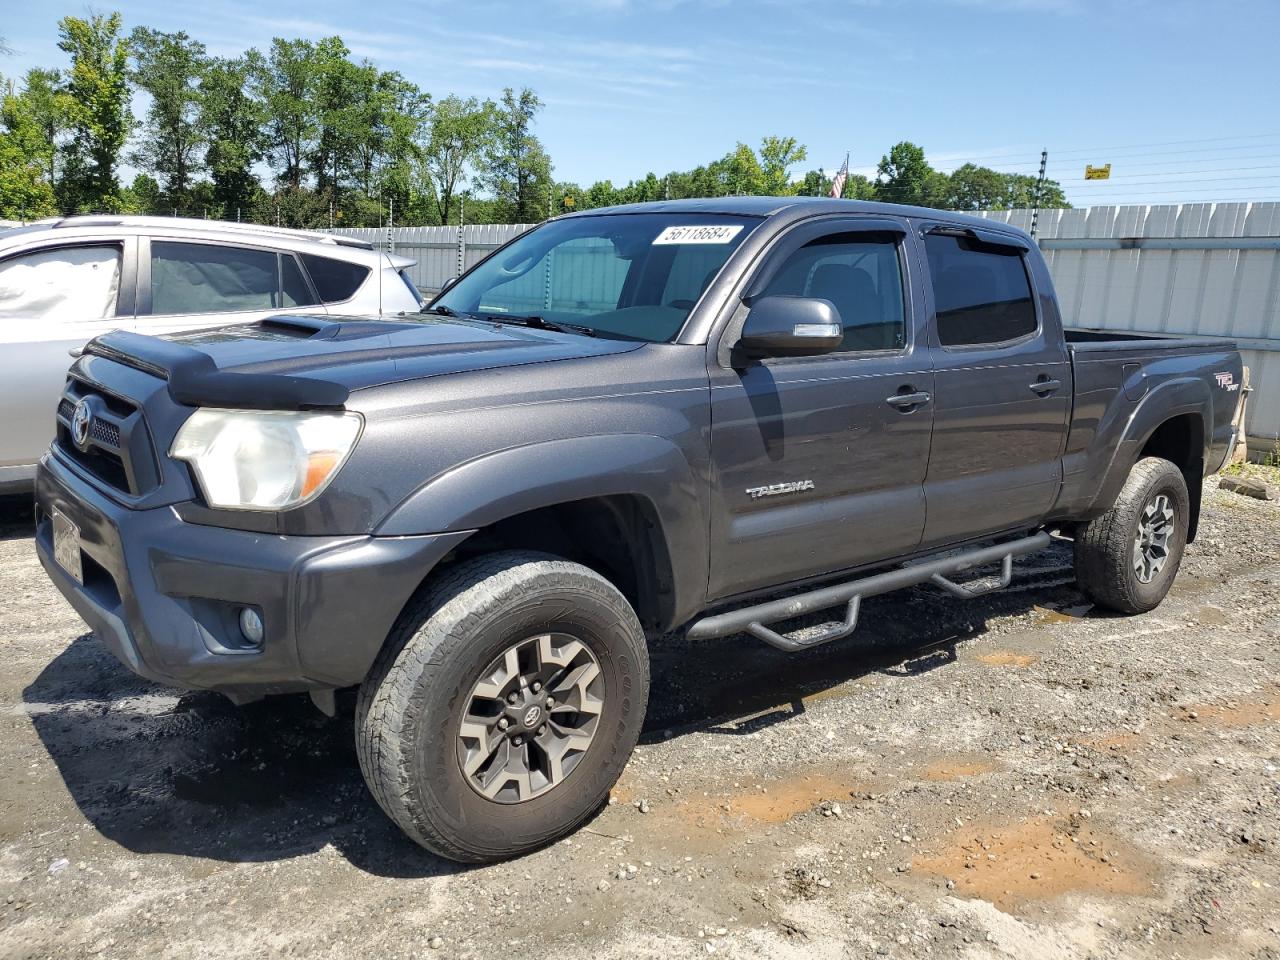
752, 619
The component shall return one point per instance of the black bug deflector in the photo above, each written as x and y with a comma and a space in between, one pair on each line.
194, 378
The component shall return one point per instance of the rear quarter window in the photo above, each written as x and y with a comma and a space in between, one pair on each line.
334, 280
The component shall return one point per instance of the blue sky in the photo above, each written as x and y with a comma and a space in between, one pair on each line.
1180, 97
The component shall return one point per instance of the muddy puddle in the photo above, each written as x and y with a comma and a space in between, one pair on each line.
1017, 866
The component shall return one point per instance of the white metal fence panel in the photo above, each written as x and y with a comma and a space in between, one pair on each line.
441, 252
1204, 269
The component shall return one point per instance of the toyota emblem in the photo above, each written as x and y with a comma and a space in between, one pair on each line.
81, 419
532, 715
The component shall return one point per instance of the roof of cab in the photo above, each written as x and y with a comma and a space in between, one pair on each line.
803, 206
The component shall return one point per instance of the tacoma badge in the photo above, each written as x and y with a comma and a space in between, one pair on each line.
775, 489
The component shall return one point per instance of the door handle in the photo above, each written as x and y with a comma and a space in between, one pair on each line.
906, 402
1044, 387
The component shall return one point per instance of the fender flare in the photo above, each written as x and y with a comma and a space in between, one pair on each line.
506, 483
1173, 398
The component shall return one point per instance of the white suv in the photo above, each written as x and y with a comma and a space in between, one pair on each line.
64, 281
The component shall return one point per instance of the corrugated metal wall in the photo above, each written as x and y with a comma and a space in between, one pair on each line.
1208, 269
440, 250
1204, 269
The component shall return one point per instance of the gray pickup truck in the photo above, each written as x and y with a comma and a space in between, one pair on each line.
624, 422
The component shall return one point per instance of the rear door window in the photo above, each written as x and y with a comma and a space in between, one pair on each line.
981, 292
192, 278
334, 280
65, 284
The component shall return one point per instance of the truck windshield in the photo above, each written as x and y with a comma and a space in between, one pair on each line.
628, 276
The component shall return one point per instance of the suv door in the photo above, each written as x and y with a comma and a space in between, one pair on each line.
818, 462
55, 296
1003, 389
192, 284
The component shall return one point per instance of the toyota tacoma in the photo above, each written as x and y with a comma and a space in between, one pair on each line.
623, 423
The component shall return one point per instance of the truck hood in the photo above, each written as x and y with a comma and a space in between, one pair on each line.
299, 361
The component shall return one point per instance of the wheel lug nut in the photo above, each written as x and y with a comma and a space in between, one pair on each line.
513, 698
542, 729
536, 686
519, 741
551, 702
504, 723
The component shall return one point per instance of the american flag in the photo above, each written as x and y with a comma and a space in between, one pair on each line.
837, 185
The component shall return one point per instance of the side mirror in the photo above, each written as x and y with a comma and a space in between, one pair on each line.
448, 283
791, 327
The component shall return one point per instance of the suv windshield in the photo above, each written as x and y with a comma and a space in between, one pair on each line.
631, 276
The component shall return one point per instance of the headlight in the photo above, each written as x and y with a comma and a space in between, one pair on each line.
264, 459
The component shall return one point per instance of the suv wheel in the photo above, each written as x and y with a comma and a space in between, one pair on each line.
1127, 558
504, 706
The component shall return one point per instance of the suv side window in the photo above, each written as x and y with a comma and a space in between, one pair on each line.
214, 278
981, 292
335, 280
64, 284
861, 274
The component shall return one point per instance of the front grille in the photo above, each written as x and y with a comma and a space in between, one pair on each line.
107, 434
117, 449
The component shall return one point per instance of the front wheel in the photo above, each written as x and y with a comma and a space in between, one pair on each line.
505, 705
1127, 558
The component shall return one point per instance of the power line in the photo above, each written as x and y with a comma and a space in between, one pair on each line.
1125, 182
1086, 151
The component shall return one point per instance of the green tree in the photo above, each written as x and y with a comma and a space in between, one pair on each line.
285, 83
971, 187
145, 196
170, 67
396, 115
98, 116
517, 170
26, 188
1020, 191
231, 121
339, 91
45, 105
904, 176
777, 156
738, 173
461, 132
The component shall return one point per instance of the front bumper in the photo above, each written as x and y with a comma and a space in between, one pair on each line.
164, 595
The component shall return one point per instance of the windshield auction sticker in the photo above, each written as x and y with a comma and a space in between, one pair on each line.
714, 233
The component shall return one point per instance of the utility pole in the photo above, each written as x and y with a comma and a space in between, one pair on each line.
391, 215
1035, 212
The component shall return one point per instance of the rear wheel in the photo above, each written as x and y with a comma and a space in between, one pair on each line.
1127, 558
505, 705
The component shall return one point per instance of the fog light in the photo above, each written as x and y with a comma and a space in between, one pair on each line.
251, 625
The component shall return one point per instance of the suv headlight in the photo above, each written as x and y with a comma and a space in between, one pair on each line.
265, 459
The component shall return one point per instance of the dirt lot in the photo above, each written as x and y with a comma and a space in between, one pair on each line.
1019, 776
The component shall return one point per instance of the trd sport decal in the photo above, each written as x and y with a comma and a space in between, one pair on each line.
1227, 381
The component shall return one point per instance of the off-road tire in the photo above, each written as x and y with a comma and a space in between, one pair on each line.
1104, 547
410, 707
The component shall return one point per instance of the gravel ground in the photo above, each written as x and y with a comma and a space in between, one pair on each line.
1019, 776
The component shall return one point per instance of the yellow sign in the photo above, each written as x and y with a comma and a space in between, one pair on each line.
1097, 173
570, 202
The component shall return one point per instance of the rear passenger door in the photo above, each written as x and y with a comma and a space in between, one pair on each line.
1002, 389
819, 462
188, 285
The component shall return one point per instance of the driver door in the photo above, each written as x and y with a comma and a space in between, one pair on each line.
817, 467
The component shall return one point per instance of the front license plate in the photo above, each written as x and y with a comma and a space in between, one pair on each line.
66, 547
